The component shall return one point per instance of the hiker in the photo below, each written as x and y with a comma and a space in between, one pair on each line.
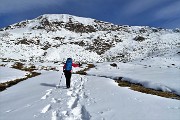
67, 69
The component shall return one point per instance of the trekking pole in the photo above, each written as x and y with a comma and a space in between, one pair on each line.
59, 81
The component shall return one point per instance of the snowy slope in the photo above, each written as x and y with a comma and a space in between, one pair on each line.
155, 77
7, 74
54, 37
90, 98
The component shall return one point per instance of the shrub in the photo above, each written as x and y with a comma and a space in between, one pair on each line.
18, 65
139, 38
113, 65
83, 72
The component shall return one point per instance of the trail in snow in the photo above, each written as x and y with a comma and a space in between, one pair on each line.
95, 100
65, 104
47, 94
57, 103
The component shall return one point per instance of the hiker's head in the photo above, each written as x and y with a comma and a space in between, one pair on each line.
69, 58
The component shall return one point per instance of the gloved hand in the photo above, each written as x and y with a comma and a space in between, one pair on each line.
80, 64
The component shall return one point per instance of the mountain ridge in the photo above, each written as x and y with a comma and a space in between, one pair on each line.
54, 37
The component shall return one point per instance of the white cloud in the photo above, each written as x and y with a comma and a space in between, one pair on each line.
7, 6
138, 6
168, 12
172, 23
134, 7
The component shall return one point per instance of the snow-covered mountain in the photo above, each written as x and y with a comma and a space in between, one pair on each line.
54, 37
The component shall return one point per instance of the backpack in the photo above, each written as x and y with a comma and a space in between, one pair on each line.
68, 64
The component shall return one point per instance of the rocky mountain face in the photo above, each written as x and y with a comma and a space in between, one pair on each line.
54, 37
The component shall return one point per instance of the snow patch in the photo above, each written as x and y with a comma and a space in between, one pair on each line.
46, 108
8, 74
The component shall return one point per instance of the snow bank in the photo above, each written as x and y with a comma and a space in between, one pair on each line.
155, 77
8, 74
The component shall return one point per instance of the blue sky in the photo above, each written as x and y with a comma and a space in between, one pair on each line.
154, 13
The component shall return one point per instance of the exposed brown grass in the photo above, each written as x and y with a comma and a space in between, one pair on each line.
19, 66
83, 72
2, 65
7, 84
2, 86
140, 88
31, 68
135, 86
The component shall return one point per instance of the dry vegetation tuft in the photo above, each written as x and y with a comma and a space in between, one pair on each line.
19, 66
83, 72
140, 88
135, 86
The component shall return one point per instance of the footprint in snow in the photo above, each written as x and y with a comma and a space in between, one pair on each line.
73, 102
9, 111
65, 113
54, 100
69, 93
47, 94
54, 115
83, 95
46, 108
28, 105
